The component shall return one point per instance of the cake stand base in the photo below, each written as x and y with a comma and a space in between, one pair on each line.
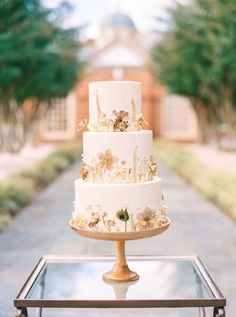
120, 271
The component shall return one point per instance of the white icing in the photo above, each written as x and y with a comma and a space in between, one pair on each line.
110, 198
114, 95
133, 200
124, 146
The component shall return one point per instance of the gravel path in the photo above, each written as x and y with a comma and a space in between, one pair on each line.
198, 227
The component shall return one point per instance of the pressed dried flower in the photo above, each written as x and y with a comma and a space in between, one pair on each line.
122, 214
84, 170
152, 168
97, 170
106, 160
121, 120
143, 225
140, 122
147, 215
145, 219
95, 218
163, 209
110, 223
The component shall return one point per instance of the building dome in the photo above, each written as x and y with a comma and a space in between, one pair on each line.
118, 20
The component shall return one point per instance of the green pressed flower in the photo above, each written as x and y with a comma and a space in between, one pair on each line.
122, 214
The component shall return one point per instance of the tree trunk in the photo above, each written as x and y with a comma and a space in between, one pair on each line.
20, 126
204, 122
229, 113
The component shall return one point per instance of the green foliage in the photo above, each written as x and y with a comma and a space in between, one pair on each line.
14, 192
20, 189
38, 61
122, 214
215, 185
196, 58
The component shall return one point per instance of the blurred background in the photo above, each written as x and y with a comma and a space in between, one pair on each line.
183, 53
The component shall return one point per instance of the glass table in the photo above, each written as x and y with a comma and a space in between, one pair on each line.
63, 282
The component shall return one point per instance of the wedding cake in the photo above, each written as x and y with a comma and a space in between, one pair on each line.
118, 190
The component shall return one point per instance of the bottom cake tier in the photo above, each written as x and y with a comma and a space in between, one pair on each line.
119, 207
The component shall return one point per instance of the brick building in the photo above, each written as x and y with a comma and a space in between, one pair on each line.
121, 53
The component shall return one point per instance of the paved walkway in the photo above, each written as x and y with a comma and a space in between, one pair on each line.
13, 163
224, 161
198, 227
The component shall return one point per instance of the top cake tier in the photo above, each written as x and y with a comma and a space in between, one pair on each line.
115, 106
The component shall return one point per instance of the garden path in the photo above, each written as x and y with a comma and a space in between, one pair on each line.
209, 155
13, 163
198, 227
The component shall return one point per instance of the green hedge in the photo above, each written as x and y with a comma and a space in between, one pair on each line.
20, 189
215, 185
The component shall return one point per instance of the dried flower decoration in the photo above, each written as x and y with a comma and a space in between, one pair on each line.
80, 221
96, 171
121, 122
140, 122
123, 215
163, 205
152, 168
106, 160
84, 170
95, 218
82, 125
145, 219
121, 173
110, 223
133, 110
147, 215
163, 210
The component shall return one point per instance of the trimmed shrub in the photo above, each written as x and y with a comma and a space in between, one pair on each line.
20, 189
215, 185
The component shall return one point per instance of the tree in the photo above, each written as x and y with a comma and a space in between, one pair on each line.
38, 63
195, 57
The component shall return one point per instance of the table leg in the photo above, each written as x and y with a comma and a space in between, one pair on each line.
21, 312
39, 312
219, 312
202, 312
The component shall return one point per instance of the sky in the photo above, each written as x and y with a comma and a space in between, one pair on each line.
143, 12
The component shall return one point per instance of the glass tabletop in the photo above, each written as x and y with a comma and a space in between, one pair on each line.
82, 280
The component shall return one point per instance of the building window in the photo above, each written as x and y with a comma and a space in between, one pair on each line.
59, 122
178, 120
177, 117
56, 119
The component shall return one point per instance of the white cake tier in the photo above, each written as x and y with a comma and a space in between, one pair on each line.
115, 106
119, 207
111, 157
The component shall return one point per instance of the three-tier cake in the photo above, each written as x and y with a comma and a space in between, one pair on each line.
118, 190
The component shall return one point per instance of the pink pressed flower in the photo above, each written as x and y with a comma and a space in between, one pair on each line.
106, 159
147, 215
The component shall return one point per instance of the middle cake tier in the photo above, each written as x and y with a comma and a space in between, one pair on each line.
118, 157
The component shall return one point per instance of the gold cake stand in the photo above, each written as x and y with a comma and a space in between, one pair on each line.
120, 271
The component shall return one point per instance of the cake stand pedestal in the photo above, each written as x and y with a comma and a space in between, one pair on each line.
120, 271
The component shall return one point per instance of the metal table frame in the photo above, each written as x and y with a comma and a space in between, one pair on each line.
218, 301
